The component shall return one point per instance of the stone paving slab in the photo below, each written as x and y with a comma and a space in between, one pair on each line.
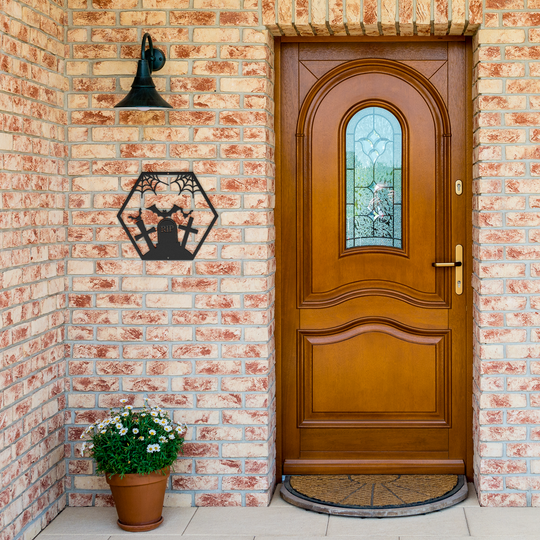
449, 522
492, 537
497, 522
270, 521
102, 521
157, 536
46, 536
328, 538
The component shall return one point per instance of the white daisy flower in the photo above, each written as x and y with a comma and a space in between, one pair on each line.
83, 448
129, 407
152, 432
150, 448
123, 431
103, 431
119, 425
171, 436
168, 428
123, 401
116, 418
162, 439
141, 438
144, 414
154, 413
135, 430
125, 413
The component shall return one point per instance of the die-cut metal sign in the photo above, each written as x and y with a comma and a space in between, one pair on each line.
167, 216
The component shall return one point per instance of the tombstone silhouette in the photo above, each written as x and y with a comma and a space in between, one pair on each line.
168, 246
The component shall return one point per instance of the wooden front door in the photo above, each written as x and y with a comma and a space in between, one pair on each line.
374, 338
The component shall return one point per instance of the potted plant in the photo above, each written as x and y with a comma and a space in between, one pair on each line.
136, 450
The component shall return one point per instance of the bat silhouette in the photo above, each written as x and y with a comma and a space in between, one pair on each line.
164, 213
168, 213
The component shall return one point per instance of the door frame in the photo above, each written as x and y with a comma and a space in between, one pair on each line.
467, 192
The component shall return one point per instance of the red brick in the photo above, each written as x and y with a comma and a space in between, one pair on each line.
499, 466
142, 384
194, 483
96, 351
523, 417
195, 351
245, 417
195, 384
193, 18
521, 19
95, 384
144, 317
197, 317
219, 434
218, 466
119, 368
218, 499
194, 285
213, 367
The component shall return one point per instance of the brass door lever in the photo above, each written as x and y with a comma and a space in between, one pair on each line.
438, 265
459, 268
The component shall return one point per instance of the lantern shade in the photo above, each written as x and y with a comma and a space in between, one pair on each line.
143, 94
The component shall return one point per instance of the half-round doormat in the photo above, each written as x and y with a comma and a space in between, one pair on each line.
375, 495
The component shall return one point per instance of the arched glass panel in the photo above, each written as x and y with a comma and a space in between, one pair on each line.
373, 146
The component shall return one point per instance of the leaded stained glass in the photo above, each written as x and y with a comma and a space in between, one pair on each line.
373, 177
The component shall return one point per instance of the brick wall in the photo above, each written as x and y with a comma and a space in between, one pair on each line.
33, 189
195, 337
507, 253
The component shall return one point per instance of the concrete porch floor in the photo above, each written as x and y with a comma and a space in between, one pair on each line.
465, 520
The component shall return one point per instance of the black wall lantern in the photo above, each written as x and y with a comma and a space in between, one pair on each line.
143, 94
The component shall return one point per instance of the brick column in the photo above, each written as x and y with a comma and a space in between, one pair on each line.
506, 251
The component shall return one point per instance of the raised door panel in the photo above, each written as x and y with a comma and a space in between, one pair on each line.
374, 373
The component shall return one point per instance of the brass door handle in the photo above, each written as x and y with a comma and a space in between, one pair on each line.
458, 264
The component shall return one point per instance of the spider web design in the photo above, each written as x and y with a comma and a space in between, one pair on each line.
149, 182
186, 182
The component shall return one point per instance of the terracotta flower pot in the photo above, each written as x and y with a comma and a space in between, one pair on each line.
139, 499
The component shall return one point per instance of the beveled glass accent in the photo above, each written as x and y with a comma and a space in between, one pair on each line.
373, 178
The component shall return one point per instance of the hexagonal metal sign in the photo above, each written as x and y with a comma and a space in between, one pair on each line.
167, 216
